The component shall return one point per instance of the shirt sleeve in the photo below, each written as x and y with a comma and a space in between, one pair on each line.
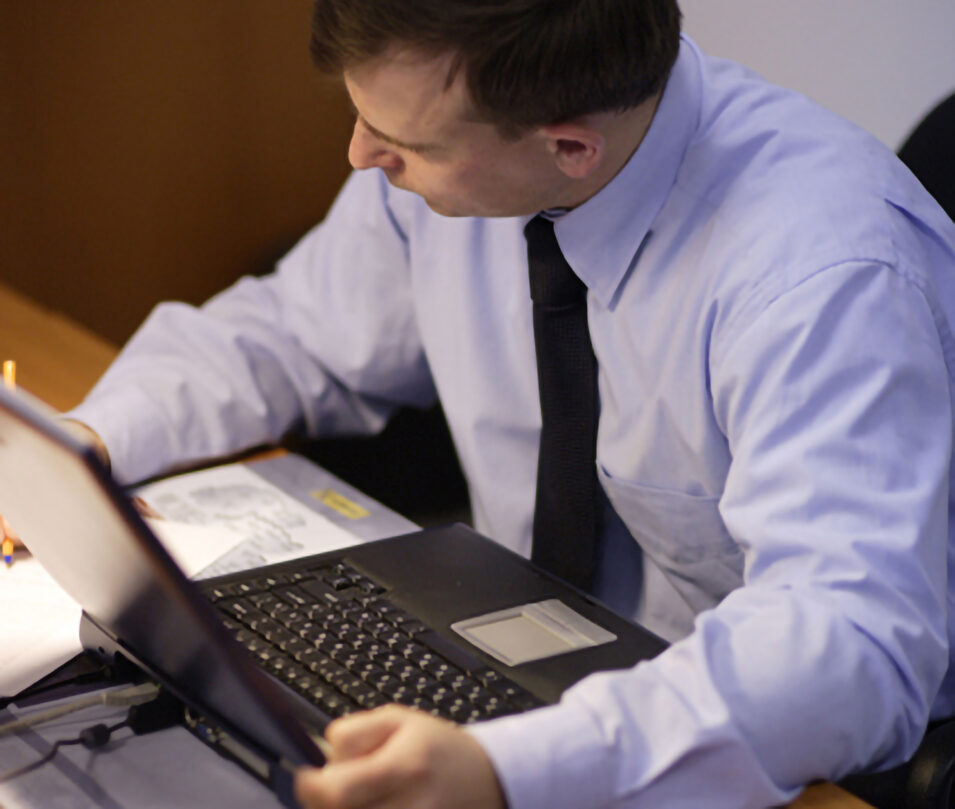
835, 403
328, 343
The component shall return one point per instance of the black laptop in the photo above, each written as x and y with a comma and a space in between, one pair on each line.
444, 620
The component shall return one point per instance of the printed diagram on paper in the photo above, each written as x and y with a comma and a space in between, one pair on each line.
269, 525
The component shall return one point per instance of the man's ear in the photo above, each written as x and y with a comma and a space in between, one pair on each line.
577, 148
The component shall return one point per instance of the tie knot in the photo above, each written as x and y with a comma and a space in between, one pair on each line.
553, 282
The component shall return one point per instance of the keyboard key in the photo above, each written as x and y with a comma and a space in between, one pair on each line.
336, 705
337, 582
270, 581
388, 685
370, 672
369, 587
515, 695
237, 608
373, 699
358, 691
451, 651
487, 675
422, 704
221, 592
261, 600
413, 628
297, 648
306, 682
412, 651
294, 596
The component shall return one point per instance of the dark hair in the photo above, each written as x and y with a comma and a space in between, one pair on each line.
527, 63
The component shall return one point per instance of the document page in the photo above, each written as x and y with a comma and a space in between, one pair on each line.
40, 629
267, 524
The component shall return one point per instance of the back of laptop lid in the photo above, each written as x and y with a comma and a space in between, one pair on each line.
89, 537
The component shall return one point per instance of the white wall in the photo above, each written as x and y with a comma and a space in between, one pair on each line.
881, 63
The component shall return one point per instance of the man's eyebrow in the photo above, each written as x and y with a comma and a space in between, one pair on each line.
413, 147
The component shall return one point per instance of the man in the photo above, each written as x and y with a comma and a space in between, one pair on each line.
769, 300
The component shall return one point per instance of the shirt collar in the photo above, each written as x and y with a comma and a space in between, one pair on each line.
601, 238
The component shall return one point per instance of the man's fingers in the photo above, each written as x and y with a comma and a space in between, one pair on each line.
363, 733
412, 759
8, 529
355, 784
359, 773
145, 509
9, 532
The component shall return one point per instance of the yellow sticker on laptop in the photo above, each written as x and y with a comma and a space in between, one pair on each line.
340, 503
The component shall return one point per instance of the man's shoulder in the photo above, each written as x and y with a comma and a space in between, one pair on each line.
775, 180
774, 189
765, 149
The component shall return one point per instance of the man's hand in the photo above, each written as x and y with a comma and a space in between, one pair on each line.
399, 758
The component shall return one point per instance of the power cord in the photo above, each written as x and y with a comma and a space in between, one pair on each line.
91, 738
134, 695
94, 676
150, 709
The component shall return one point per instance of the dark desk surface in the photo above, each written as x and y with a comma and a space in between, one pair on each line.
58, 361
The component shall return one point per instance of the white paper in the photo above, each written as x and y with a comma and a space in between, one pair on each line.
268, 524
39, 625
194, 547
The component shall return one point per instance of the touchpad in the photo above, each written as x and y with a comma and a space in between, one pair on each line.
532, 632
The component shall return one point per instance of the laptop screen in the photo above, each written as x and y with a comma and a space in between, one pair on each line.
89, 537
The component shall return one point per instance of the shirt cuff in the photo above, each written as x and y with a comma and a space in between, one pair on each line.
555, 757
137, 444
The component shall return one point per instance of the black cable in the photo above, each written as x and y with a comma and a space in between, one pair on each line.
160, 712
92, 738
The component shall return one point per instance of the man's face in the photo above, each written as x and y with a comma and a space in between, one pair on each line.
419, 132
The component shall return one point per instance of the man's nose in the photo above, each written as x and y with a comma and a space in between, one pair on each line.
365, 151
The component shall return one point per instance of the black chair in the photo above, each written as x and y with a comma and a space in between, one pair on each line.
924, 782
930, 153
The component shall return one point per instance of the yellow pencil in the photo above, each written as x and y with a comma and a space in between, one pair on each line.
10, 381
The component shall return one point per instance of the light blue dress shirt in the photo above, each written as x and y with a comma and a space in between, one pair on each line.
770, 300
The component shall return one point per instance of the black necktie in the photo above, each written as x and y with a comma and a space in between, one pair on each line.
565, 509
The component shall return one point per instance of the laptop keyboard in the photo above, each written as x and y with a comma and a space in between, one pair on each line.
332, 635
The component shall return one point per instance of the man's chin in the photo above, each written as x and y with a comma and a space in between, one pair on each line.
437, 207
467, 209
444, 210
448, 209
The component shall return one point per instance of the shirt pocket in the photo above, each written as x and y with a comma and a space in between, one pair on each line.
683, 535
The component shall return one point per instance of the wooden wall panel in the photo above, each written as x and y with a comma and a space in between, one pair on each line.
158, 150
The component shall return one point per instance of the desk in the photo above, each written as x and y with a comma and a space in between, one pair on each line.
58, 361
